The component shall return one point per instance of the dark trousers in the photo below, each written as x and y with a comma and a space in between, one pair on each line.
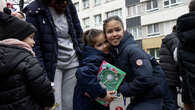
170, 99
174, 93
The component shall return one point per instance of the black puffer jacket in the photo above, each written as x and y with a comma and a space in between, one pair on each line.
169, 43
23, 85
186, 51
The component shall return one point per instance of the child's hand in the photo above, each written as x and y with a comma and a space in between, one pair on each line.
109, 96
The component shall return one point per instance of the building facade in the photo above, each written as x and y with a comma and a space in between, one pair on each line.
148, 20
152, 20
93, 12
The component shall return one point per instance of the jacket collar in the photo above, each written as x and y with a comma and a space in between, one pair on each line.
88, 51
127, 39
36, 7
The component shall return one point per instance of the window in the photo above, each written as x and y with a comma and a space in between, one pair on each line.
153, 29
135, 31
155, 52
98, 19
97, 2
117, 12
77, 6
85, 4
168, 3
152, 5
134, 11
86, 22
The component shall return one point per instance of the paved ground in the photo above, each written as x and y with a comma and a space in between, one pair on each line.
119, 102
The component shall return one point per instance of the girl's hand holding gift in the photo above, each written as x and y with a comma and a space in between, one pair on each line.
109, 96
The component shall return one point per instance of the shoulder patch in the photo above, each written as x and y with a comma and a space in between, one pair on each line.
139, 62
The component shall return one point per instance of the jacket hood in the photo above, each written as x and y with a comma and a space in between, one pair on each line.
186, 22
91, 54
10, 57
127, 39
90, 51
186, 30
169, 37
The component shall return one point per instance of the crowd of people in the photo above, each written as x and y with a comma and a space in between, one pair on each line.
47, 61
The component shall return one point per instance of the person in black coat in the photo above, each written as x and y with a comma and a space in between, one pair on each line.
23, 83
58, 44
145, 81
169, 66
185, 55
88, 88
186, 60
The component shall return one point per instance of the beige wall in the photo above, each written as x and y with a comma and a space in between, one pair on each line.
154, 42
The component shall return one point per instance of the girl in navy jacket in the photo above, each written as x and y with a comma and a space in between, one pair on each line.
88, 89
145, 81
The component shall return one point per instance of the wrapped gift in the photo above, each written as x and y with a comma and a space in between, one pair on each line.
110, 78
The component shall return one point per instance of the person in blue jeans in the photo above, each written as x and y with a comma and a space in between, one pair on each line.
145, 81
88, 88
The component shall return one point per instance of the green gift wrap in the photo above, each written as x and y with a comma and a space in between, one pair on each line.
110, 78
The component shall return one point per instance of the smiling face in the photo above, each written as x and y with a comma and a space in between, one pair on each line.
29, 40
114, 32
102, 44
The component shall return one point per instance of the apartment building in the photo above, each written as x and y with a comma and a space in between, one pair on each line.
148, 20
133, 19
152, 20
93, 12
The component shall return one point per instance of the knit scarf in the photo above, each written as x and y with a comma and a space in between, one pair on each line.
18, 43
